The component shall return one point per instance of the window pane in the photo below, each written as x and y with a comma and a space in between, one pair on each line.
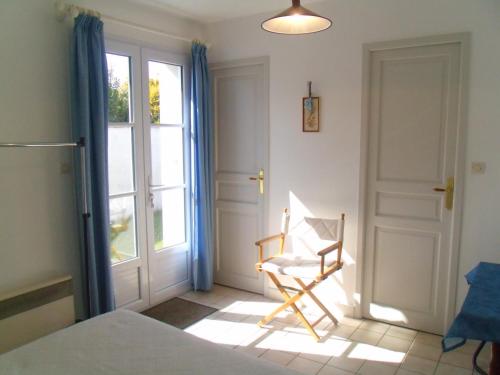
165, 93
166, 156
120, 160
169, 223
119, 88
122, 229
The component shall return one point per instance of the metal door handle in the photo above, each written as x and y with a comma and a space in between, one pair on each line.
449, 190
259, 178
151, 194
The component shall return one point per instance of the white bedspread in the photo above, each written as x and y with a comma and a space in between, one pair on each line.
124, 342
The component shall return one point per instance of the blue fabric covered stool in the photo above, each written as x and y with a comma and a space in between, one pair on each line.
479, 317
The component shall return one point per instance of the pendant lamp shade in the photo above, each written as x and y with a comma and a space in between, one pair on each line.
296, 20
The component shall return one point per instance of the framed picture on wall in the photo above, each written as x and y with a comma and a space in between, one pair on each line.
310, 114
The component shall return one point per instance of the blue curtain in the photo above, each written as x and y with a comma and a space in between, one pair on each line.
89, 110
203, 229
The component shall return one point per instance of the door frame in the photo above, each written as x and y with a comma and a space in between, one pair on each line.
265, 62
368, 48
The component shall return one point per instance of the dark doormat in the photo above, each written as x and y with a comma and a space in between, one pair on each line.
179, 312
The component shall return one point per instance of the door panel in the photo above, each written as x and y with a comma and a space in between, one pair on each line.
240, 92
412, 149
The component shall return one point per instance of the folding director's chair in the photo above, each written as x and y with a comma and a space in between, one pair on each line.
316, 252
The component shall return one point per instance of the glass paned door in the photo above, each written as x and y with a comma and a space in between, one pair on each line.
127, 227
166, 127
148, 161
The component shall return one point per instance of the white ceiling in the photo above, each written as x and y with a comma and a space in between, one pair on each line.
207, 11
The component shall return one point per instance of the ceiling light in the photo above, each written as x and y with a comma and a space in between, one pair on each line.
296, 20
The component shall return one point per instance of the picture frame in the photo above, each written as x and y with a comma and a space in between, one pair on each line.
310, 114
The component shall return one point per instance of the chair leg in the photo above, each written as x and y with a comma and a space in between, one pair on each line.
289, 301
316, 300
305, 322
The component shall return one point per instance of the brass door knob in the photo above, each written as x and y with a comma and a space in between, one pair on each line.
449, 190
259, 178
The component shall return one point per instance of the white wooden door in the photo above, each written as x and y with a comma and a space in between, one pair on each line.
241, 100
413, 122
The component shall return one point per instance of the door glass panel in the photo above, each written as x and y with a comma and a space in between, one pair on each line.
167, 156
168, 217
122, 229
165, 93
118, 88
120, 160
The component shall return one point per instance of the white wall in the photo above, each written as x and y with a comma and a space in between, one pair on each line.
38, 232
322, 170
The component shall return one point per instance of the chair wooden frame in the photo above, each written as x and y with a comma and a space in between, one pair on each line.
290, 301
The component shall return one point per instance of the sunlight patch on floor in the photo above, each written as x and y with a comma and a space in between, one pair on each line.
252, 308
376, 354
355, 346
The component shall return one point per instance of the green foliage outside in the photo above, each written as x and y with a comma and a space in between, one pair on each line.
118, 96
154, 100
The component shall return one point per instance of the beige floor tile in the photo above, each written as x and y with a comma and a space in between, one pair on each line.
304, 366
251, 350
375, 368
444, 369
344, 362
371, 325
420, 365
316, 357
425, 351
402, 333
469, 347
231, 317
341, 331
372, 353
288, 319
252, 319
366, 337
484, 358
428, 339
394, 343
329, 370
458, 359
279, 357
352, 322
403, 371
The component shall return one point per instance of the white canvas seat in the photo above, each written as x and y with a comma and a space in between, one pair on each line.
295, 266
309, 249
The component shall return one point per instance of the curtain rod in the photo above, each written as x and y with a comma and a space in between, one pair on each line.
63, 10
83, 164
42, 144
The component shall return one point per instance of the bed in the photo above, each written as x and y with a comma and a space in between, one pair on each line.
124, 342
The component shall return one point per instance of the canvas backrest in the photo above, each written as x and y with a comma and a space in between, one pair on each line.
305, 236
